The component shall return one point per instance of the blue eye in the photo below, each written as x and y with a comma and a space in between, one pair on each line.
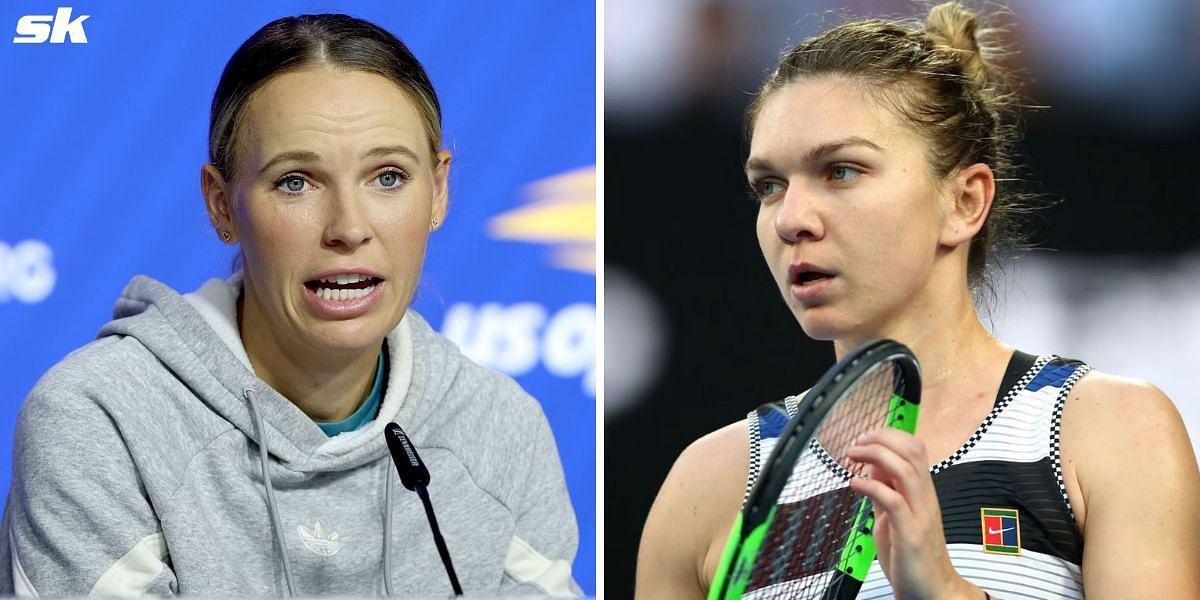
292, 184
392, 179
843, 173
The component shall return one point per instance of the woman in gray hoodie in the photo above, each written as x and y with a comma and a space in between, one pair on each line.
230, 441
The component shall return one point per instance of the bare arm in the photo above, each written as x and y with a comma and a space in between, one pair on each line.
1141, 490
692, 515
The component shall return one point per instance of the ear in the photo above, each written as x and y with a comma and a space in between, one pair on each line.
441, 188
971, 192
217, 199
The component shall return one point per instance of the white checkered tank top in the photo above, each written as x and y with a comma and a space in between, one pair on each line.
1008, 523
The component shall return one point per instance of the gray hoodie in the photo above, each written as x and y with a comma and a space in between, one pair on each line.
139, 463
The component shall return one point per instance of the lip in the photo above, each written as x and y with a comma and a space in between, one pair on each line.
808, 292
345, 309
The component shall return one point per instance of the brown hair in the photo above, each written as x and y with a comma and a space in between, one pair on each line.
290, 43
941, 77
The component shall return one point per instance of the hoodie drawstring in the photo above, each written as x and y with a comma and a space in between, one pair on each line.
387, 527
271, 506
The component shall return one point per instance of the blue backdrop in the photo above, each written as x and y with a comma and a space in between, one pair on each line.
105, 125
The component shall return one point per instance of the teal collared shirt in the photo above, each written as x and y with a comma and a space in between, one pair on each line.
367, 410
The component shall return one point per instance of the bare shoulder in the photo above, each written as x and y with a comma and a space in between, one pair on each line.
693, 512
722, 454
1127, 452
1118, 431
1107, 407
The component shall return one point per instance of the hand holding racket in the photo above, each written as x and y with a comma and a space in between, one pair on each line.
908, 532
804, 531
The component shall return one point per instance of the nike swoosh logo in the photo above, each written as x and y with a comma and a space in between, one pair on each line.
995, 531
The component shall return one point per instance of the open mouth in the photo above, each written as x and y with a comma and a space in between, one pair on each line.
343, 287
808, 277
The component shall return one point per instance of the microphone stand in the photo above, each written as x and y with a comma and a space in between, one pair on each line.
415, 477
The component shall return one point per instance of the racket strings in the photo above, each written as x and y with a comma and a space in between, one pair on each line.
817, 511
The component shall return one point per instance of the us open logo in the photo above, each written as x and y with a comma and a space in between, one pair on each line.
513, 339
56, 28
27, 272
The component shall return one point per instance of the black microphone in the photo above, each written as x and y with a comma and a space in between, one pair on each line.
415, 477
408, 462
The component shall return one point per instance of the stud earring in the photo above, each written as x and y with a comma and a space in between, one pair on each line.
225, 235
433, 225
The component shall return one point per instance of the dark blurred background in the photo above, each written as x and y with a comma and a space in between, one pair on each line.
695, 332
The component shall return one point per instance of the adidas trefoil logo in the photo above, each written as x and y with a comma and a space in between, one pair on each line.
319, 540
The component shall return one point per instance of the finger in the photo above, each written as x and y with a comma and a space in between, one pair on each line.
888, 501
883, 540
889, 467
901, 442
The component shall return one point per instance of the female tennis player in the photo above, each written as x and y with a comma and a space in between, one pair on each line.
878, 157
229, 442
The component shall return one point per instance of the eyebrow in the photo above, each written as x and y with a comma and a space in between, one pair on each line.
289, 156
308, 156
380, 151
816, 152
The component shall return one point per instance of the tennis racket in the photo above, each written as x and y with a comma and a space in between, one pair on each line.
803, 533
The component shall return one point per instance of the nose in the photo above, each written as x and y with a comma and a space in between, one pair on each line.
347, 223
799, 215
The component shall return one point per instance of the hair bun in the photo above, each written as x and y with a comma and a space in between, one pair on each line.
953, 25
